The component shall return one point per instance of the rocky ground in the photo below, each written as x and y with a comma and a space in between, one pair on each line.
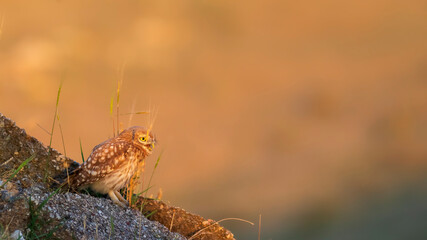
31, 209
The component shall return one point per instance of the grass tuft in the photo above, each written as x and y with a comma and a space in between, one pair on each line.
36, 225
145, 191
130, 188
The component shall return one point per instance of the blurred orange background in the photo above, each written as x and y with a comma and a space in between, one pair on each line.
310, 113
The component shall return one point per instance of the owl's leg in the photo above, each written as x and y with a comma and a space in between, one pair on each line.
115, 199
120, 197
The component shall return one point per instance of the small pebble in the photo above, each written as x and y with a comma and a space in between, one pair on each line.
17, 234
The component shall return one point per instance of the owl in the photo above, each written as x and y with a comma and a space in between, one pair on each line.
112, 163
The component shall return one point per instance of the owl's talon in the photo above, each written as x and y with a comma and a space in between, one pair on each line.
114, 198
120, 197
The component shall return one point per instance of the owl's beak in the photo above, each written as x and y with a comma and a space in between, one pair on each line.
151, 145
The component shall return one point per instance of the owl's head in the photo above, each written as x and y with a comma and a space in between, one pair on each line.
140, 137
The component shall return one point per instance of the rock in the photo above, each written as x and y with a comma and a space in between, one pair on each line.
9, 192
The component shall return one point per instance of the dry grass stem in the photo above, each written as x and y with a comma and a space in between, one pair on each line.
152, 118
112, 115
132, 110
43, 128
173, 216
56, 112
68, 177
225, 219
62, 135
130, 189
6, 229
159, 194
119, 84
54, 180
7, 161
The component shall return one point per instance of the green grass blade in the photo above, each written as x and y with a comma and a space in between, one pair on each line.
47, 199
62, 136
23, 164
136, 196
56, 112
36, 223
157, 162
146, 190
111, 227
53, 127
150, 214
81, 150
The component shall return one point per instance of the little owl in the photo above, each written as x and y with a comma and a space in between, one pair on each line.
112, 163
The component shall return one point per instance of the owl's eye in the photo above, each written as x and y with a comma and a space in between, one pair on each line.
143, 139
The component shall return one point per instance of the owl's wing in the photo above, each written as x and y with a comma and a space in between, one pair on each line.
104, 159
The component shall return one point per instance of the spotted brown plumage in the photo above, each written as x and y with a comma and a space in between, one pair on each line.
112, 163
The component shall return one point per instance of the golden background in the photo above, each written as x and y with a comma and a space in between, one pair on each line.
304, 112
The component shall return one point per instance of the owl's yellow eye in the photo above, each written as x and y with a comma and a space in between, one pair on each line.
143, 139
